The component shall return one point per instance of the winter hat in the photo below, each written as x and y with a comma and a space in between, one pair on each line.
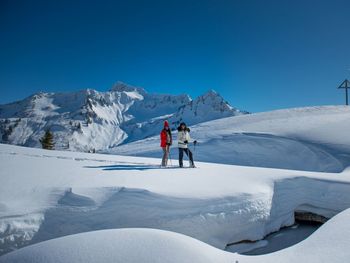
166, 124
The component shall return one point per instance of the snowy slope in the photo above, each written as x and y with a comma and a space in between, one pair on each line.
89, 119
48, 194
311, 138
150, 245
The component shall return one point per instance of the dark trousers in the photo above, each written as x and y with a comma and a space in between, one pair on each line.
181, 156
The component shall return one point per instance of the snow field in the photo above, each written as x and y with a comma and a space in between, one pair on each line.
303, 157
308, 139
217, 204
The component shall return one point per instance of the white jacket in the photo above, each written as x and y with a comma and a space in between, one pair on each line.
183, 136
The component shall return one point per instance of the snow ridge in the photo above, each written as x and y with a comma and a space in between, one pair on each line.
309, 139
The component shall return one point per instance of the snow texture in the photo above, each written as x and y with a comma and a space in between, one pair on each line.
277, 139
330, 243
47, 194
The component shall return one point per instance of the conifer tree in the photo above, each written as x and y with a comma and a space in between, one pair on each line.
47, 140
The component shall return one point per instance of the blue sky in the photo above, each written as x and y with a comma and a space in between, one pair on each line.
259, 55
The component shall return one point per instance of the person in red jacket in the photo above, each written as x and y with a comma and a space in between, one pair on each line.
165, 142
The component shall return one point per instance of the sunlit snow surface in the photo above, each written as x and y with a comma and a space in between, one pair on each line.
311, 139
49, 194
329, 244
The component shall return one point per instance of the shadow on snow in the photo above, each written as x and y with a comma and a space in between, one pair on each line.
118, 167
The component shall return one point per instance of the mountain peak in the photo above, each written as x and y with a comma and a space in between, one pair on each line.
211, 92
211, 95
124, 87
39, 95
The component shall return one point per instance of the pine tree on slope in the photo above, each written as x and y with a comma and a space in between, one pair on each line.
47, 140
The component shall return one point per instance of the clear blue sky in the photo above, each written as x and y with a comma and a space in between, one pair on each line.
259, 55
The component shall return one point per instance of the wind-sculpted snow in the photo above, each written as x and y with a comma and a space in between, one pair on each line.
330, 243
309, 139
67, 193
205, 219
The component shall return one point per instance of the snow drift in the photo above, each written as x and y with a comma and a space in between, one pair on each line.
310, 139
150, 245
48, 194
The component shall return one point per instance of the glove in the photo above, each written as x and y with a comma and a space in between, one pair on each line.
195, 142
186, 142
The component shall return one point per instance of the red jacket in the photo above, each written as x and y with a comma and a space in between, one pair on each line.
164, 139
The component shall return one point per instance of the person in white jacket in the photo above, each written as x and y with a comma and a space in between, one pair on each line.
183, 138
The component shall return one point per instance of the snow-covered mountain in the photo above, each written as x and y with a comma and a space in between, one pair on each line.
90, 120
